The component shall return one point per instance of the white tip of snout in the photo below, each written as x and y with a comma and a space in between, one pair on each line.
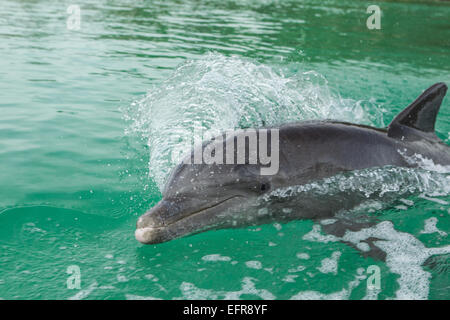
143, 235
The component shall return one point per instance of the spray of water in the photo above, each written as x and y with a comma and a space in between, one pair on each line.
223, 93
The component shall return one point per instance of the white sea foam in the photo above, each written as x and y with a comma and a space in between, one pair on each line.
327, 221
431, 227
316, 235
405, 255
344, 294
290, 278
297, 269
215, 257
440, 201
122, 278
330, 265
254, 264
424, 162
407, 202
191, 292
302, 255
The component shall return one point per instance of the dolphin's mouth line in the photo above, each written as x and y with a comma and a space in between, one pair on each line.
192, 214
149, 234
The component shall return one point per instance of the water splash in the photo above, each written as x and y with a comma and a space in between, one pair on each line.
382, 183
221, 93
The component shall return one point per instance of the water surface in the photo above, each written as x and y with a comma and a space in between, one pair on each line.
87, 134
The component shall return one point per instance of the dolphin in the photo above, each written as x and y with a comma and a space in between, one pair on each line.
201, 197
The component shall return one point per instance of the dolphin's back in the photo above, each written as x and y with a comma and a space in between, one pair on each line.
315, 150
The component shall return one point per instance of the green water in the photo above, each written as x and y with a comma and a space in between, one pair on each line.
83, 149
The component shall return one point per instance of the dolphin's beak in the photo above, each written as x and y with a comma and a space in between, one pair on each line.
171, 219
151, 227
149, 235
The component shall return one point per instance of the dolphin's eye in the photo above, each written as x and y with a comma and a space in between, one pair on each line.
264, 187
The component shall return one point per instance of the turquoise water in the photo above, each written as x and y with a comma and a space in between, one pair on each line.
87, 135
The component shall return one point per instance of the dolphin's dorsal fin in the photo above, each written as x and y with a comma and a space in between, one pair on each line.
420, 116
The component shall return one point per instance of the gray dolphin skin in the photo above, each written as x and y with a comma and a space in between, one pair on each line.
200, 197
